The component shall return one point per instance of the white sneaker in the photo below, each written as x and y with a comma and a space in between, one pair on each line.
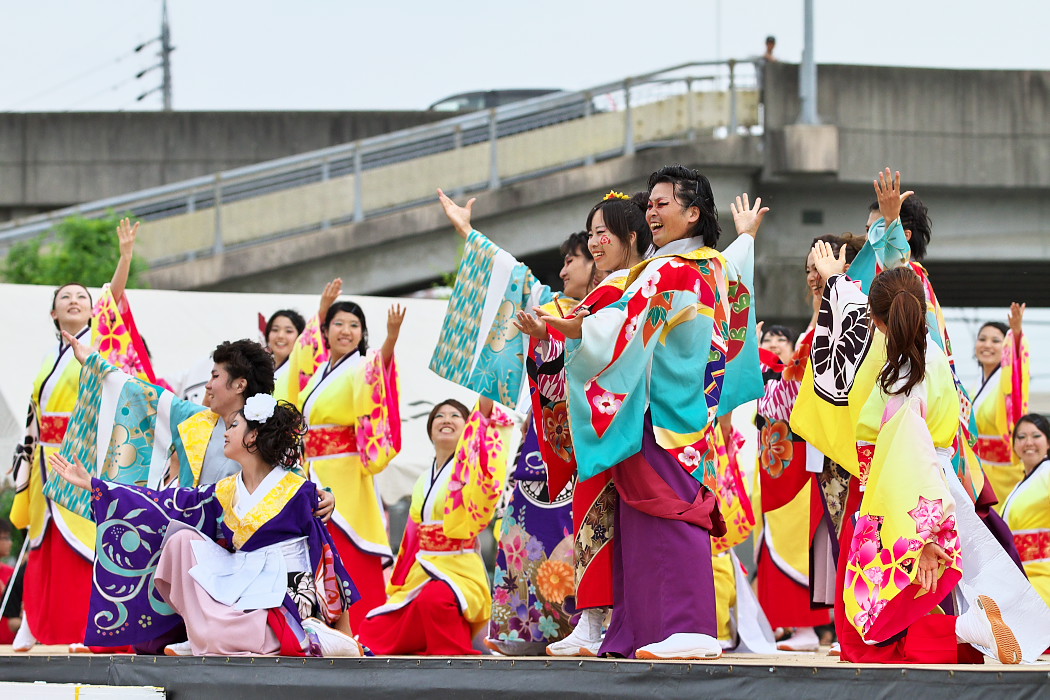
332, 641
802, 639
24, 639
682, 646
983, 628
179, 649
585, 640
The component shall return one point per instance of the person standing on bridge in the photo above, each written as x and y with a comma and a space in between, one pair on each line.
648, 376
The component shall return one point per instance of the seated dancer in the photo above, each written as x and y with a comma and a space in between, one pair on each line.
439, 592
908, 518
535, 601
243, 563
1027, 509
61, 542
352, 408
648, 376
1001, 398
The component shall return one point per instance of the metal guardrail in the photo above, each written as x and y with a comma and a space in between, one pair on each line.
227, 187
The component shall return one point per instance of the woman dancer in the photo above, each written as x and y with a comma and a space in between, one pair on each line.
271, 598
1027, 509
439, 592
58, 571
298, 346
1002, 397
647, 377
351, 406
900, 540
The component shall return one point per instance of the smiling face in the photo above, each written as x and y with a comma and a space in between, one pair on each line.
447, 427
609, 252
224, 396
344, 334
576, 273
237, 437
989, 347
281, 338
668, 219
1030, 444
813, 279
72, 308
779, 345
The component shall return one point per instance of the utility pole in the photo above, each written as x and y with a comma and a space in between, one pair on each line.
807, 78
165, 56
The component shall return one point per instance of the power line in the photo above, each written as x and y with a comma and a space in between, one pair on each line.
111, 88
75, 78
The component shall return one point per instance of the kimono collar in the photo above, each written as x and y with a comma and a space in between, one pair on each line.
272, 503
245, 500
679, 247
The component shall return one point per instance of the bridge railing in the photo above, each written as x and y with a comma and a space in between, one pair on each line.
482, 150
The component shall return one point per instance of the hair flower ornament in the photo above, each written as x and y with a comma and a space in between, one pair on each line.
613, 194
259, 408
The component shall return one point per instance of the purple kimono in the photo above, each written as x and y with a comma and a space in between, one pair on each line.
126, 607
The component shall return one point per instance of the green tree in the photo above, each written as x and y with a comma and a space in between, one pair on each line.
78, 250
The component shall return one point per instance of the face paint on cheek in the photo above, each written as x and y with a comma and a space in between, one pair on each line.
604, 240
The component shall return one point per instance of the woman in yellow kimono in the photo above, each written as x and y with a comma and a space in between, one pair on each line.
1002, 398
439, 593
58, 571
298, 346
351, 406
1027, 508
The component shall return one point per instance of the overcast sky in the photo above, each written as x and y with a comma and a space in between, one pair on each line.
405, 54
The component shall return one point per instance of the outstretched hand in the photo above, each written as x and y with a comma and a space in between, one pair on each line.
747, 218
126, 234
531, 326
825, 261
81, 351
888, 191
459, 216
331, 292
75, 474
568, 327
928, 570
1016, 316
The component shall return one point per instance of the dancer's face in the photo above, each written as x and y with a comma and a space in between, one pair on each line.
224, 396
281, 338
447, 427
576, 273
778, 345
609, 252
72, 307
989, 347
667, 218
237, 437
344, 334
1031, 445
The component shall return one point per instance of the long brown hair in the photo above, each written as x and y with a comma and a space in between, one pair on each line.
897, 299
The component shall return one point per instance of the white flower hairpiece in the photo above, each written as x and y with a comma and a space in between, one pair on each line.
259, 408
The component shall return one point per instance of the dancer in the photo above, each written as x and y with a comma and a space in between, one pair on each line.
58, 572
618, 239
266, 600
1027, 509
351, 406
906, 526
645, 373
1001, 398
298, 346
439, 592
537, 517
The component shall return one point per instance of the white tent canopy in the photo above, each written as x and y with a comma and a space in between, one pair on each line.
181, 328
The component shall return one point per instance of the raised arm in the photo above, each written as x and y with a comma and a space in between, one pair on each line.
329, 294
459, 216
394, 318
747, 218
126, 233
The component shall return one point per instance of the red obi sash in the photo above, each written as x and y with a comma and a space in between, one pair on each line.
330, 440
1033, 545
995, 450
432, 539
53, 428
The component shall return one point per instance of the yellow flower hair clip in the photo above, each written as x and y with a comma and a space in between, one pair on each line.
613, 194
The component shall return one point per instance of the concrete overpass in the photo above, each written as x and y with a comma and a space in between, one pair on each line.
974, 144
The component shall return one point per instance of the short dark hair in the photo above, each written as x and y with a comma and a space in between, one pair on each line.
997, 325
462, 409
576, 243
279, 440
778, 330
915, 217
1038, 420
623, 217
294, 316
852, 242
692, 189
246, 359
350, 308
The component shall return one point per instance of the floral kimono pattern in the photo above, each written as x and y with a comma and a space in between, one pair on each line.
997, 405
1027, 512
126, 608
308, 353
